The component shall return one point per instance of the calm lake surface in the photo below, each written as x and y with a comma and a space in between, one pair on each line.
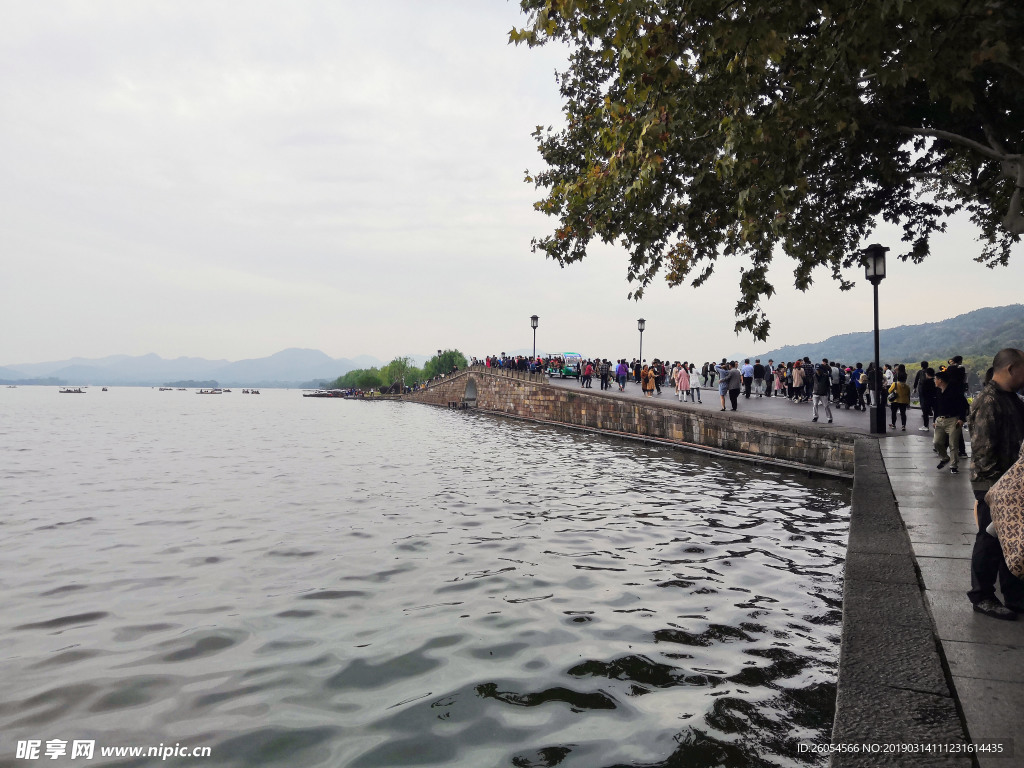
301, 582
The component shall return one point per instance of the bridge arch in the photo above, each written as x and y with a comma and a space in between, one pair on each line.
469, 397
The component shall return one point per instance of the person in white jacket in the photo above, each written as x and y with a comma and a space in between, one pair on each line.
694, 384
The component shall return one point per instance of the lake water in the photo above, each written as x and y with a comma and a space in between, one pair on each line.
300, 582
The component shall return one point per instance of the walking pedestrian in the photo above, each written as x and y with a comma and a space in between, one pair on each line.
694, 385
821, 386
871, 385
997, 431
747, 377
901, 401
959, 380
836, 374
798, 380
723, 383
682, 382
647, 381
919, 377
808, 379
950, 415
621, 373
926, 391
860, 377
779, 376
735, 383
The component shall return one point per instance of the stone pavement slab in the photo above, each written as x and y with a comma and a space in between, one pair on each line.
985, 657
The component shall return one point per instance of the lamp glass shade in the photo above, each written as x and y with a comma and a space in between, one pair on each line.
534, 321
874, 261
641, 324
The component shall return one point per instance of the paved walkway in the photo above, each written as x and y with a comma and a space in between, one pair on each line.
985, 656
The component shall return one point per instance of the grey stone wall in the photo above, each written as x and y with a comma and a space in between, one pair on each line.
532, 398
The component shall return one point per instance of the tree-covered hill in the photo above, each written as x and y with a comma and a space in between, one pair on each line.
982, 332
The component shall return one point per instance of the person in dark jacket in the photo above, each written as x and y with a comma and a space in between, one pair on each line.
997, 430
950, 417
758, 378
920, 377
927, 392
734, 381
821, 386
959, 381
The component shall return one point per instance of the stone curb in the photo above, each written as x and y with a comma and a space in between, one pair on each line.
893, 686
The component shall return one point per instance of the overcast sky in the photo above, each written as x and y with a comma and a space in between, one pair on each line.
228, 179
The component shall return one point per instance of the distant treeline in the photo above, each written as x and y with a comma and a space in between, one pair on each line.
398, 370
190, 383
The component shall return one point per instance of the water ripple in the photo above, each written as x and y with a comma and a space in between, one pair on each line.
378, 585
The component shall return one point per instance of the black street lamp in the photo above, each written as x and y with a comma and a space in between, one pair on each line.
874, 271
534, 322
641, 324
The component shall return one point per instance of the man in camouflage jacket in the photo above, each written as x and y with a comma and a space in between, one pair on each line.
996, 424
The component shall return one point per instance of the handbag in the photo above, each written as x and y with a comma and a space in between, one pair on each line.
1005, 499
893, 396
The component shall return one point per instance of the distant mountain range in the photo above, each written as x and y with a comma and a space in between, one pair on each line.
288, 368
981, 332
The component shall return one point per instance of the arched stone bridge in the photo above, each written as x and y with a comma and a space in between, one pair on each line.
746, 436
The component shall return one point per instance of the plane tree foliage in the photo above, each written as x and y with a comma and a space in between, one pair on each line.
697, 130
444, 363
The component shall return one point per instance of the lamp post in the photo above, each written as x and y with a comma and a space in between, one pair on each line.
641, 324
874, 271
534, 322
439, 371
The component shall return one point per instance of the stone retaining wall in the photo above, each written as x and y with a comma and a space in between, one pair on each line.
529, 397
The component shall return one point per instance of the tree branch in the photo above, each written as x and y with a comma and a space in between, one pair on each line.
1014, 220
991, 136
1012, 67
966, 189
956, 138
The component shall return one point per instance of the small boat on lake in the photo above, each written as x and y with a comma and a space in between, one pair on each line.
72, 391
210, 392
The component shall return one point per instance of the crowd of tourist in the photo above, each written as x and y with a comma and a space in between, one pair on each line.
824, 385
